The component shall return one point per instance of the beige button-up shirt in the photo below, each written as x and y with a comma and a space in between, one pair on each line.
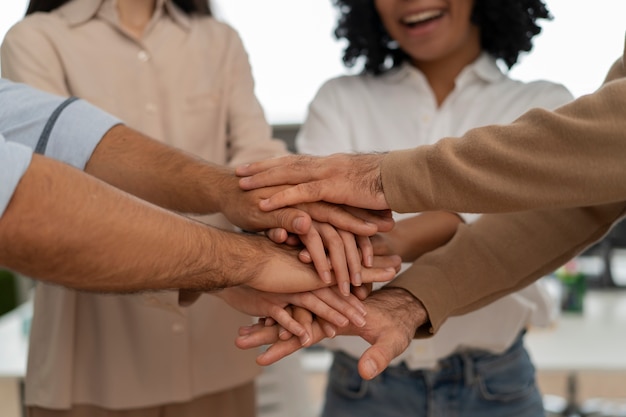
187, 82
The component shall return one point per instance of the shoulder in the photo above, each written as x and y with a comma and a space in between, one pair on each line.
538, 93
37, 23
210, 26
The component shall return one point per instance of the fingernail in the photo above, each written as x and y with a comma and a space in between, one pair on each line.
297, 223
370, 261
306, 340
359, 321
264, 203
371, 368
345, 288
326, 277
357, 279
329, 331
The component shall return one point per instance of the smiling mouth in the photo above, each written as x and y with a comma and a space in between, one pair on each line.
421, 18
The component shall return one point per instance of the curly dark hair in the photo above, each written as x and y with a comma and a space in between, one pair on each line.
507, 28
200, 7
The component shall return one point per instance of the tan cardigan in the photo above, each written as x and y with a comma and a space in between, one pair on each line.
568, 166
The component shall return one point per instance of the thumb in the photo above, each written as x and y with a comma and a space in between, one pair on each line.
292, 220
376, 358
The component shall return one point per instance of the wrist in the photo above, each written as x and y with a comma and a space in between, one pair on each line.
415, 313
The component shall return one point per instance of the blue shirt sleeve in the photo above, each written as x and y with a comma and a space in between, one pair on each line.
30, 120
14, 160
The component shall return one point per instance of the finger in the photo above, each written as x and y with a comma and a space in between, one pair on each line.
293, 240
362, 292
333, 307
380, 245
288, 325
366, 249
357, 221
383, 219
277, 235
291, 219
329, 330
256, 336
305, 318
283, 334
378, 357
307, 192
305, 256
265, 173
388, 261
281, 349
336, 249
353, 257
348, 306
378, 274
314, 243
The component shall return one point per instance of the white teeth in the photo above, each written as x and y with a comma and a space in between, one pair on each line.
421, 17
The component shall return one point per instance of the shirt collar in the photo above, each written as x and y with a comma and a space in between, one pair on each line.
484, 68
80, 11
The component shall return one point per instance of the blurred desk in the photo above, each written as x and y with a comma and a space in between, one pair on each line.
14, 327
593, 340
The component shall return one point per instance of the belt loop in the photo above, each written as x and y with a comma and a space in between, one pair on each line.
468, 369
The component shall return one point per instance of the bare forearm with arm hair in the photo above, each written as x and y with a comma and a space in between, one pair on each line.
155, 172
69, 228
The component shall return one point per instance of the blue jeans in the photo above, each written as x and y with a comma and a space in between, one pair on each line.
468, 384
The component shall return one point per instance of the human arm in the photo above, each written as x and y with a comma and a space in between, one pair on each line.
124, 244
542, 160
499, 254
416, 235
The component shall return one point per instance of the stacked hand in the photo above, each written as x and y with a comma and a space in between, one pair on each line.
299, 190
393, 315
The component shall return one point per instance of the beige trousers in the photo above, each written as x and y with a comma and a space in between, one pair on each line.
237, 402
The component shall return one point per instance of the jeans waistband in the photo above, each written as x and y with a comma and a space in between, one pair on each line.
465, 364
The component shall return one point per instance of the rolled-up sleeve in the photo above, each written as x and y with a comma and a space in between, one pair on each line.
14, 160
64, 129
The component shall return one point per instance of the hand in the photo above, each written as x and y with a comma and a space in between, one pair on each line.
306, 318
325, 303
351, 179
257, 262
393, 316
330, 248
242, 209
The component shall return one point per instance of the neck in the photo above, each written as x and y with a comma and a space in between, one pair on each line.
441, 74
135, 14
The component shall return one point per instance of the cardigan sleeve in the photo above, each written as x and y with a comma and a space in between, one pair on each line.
555, 183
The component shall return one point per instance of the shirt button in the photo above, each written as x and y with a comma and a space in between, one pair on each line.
177, 328
143, 56
151, 107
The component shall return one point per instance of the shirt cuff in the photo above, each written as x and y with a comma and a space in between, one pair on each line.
76, 133
14, 161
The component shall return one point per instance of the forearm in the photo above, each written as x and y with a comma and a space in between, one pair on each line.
158, 173
500, 254
68, 228
566, 158
422, 233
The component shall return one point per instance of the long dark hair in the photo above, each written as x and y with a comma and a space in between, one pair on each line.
507, 28
200, 7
